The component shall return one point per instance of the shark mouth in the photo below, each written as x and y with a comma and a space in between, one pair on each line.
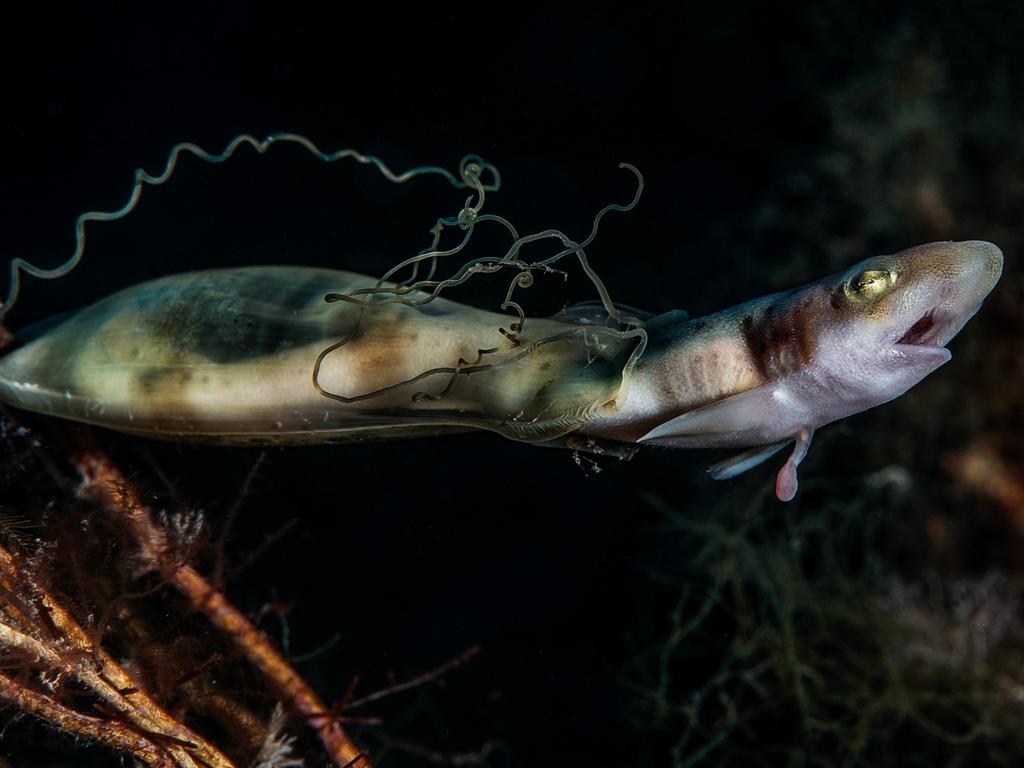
934, 328
923, 333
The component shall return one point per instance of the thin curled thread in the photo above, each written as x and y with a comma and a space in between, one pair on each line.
470, 169
491, 264
467, 220
481, 264
142, 178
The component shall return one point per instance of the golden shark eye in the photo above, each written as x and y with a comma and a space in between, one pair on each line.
871, 284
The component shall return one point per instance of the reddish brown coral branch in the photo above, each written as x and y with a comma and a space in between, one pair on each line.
103, 731
104, 481
40, 627
269, 661
427, 677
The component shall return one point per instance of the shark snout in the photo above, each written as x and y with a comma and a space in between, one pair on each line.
977, 266
958, 276
983, 265
969, 264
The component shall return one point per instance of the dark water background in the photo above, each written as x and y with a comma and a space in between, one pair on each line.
777, 145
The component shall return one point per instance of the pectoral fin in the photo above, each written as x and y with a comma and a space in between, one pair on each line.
786, 482
745, 411
740, 463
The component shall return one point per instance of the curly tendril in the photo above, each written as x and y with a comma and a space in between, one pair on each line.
472, 169
417, 293
474, 175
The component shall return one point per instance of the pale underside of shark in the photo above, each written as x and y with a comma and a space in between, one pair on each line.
256, 356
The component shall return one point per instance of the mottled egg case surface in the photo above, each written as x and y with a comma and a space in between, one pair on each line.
228, 356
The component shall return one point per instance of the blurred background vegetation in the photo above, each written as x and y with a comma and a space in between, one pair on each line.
876, 621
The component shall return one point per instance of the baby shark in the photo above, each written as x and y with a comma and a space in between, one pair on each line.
257, 356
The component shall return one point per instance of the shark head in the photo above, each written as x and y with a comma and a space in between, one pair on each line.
888, 319
820, 353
